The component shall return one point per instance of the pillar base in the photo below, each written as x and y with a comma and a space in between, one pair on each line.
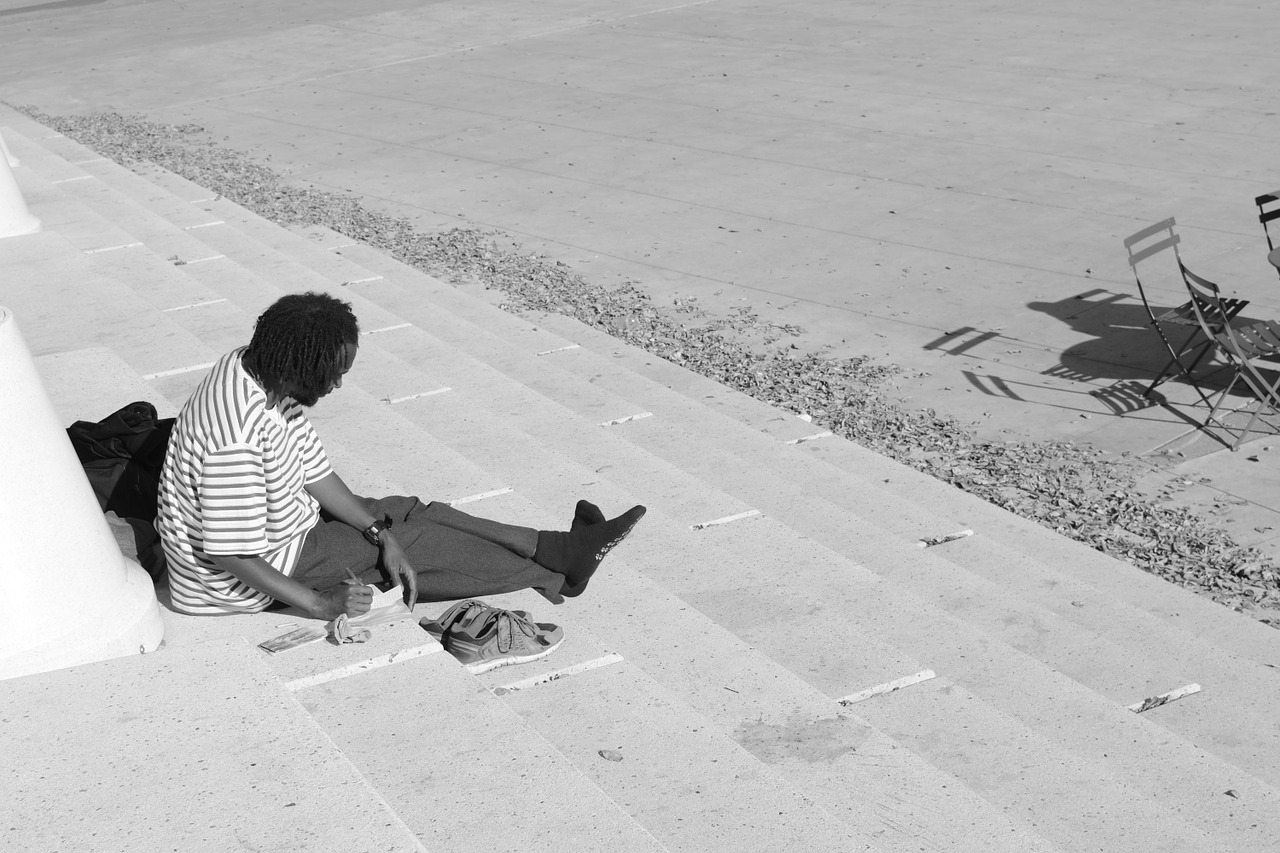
129, 623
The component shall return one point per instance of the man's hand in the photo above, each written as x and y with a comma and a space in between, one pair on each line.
398, 567
347, 597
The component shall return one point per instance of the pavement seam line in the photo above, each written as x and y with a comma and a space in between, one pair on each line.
1163, 698
394, 400
483, 495
887, 687
557, 674
728, 519
623, 420
362, 666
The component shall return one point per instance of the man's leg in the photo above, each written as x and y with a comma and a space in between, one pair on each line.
519, 540
456, 555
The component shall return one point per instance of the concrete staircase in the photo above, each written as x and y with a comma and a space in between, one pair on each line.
775, 574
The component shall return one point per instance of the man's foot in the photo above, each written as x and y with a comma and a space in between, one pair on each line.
577, 554
584, 515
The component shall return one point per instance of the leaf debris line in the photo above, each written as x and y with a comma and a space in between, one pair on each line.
1073, 490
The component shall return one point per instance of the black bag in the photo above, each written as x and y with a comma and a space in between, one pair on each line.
122, 455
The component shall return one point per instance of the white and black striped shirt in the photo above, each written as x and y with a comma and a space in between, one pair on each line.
234, 483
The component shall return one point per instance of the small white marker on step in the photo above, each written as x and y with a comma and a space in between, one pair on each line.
480, 497
813, 437
728, 519
69, 180
112, 248
394, 400
556, 675
887, 687
559, 349
363, 666
930, 541
202, 260
177, 371
1163, 698
205, 225
386, 329
626, 419
362, 280
195, 305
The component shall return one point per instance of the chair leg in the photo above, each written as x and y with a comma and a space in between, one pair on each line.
1213, 411
1176, 360
1268, 396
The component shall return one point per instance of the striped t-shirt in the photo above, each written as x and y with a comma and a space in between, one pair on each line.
233, 483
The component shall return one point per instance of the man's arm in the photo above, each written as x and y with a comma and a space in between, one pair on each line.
256, 572
336, 499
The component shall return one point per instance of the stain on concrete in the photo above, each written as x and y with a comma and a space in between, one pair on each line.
803, 739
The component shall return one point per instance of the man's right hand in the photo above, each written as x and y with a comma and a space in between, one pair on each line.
347, 597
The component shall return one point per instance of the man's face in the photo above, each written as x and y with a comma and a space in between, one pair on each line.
348, 358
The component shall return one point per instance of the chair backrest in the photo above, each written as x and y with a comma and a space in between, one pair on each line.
1267, 213
1150, 241
1213, 316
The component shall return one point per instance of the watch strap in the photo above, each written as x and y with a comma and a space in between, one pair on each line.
373, 533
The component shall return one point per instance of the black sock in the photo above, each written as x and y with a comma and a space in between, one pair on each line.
577, 554
585, 515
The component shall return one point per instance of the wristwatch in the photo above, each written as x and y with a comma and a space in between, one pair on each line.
373, 533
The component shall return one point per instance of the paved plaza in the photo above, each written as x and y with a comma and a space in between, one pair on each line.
942, 188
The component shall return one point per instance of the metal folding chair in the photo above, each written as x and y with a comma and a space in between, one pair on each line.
1249, 350
1269, 211
1145, 244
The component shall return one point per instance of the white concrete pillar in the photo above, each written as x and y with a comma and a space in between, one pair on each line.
14, 162
15, 219
69, 596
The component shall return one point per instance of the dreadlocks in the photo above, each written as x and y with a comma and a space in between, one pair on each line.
299, 343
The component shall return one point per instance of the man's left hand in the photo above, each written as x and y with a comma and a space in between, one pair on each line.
399, 568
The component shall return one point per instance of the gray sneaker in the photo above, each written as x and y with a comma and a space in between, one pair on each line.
484, 637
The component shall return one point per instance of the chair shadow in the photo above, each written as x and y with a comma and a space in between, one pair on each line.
1122, 347
1122, 344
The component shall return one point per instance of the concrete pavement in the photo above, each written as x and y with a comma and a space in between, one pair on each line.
941, 188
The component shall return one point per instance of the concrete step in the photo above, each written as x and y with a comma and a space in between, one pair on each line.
462, 769
63, 301
685, 782
198, 748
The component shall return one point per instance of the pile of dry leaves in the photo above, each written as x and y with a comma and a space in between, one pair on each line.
1071, 489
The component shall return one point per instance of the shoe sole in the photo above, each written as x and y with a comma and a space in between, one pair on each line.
486, 665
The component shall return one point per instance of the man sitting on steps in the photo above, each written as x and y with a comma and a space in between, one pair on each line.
251, 512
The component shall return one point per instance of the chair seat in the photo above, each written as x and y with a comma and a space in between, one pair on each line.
1255, 341
1185, 314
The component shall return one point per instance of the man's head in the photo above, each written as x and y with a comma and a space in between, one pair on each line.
303, 344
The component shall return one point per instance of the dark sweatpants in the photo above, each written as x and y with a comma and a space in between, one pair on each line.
456, 555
